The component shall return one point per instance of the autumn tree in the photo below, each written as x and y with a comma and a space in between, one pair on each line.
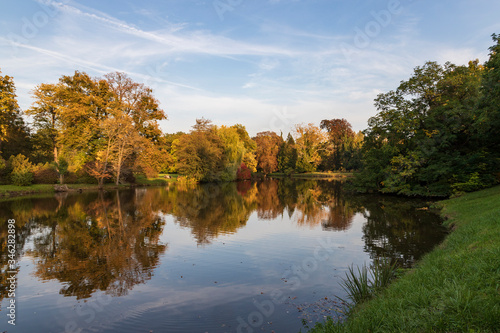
137, 101
97, 122
122, 140
250, 145
200, 154
268, 144
46, 121
308, 141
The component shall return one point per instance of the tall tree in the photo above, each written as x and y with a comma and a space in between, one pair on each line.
424, 139
47, 121
268, 144
308, 140
287, 157
137, 101
14, 134
490, 102
122, 141
200, 154
340, 135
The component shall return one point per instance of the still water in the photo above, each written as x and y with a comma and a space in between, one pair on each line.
236, 257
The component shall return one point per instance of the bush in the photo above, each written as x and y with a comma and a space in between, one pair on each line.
243, 173
45, 174
21, 174
473, 184
79, 177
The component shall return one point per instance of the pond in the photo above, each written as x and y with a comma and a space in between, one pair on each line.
236, 257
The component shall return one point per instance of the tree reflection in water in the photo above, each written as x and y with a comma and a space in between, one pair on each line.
109, 241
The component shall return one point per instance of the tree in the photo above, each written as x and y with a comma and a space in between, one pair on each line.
426, 136
250, 147
200, 154
47, 121
97, 122
340, 135
268, 144
14, 135
308, 139
122, 141
490, 101
137, 101
22, 168
62, 168
234, 151
287, 157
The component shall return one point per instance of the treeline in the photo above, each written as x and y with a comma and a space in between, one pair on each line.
211, 153
87, 130
436, 134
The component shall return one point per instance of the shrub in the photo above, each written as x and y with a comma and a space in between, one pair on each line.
243, 173
473, 184
79, 177
45, 174
21, 174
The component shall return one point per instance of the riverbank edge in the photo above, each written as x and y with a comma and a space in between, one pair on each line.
454, 288
312, 175
10, 191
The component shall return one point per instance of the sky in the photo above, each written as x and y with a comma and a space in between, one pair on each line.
266, 64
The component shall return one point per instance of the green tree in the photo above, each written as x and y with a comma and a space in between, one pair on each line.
14, 135
62, 168
287, 157
340, 140
308, 141
47, 122
490, 101
200, 154
22, 170
425, 137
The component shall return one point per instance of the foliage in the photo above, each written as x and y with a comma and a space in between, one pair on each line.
22, 170
62, 168
287, 157
45, 174
200, 154
308, 140
14, 135
430, 133
364, 284
268, 144
244, 173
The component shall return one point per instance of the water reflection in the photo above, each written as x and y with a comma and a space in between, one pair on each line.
110, 241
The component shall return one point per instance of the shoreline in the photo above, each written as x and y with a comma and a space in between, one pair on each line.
453, 288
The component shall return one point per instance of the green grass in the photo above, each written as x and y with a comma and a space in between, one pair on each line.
12, 190
158, 181
6, 190
313, 175
455, 288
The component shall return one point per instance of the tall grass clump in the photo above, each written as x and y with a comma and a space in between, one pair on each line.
362, 283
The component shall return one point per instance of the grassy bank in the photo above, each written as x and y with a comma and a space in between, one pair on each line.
309, 175
12, 190
455, 288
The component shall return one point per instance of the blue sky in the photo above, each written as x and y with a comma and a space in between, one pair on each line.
267, 64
